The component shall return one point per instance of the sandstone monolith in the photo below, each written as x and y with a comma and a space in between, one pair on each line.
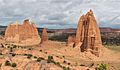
44, 36
70, 41
19, 33
88, 36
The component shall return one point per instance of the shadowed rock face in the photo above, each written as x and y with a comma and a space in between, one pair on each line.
44, 36
88, 36
17, 33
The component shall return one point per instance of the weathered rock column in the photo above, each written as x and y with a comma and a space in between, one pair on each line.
44, 36
88, 36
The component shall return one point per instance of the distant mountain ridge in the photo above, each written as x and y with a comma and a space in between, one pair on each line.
102, 29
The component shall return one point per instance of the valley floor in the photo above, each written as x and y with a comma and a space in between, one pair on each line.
26, 57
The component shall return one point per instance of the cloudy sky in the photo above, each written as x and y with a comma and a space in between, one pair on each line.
59, 13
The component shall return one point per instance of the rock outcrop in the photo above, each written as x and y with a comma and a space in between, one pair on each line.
44, 36
70, 41
19, 33
88, 36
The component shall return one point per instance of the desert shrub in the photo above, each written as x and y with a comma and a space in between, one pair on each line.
111, 40
101, 67
57, 56
30, 49
62, 38
63, 56
29, 56
35, 57
14, 46
64, 61
66, 68
0, 64
45, 52
8, 46
14, 64
0, 53
25, 54
50, 59
40, 50
82, 65
38, 59
68, 63
2, 45
7, 63
91, 65
13, 54
58, 64
11, 49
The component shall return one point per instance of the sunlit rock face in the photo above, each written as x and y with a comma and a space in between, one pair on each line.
44, 36
88, 36
70, 41
19, 33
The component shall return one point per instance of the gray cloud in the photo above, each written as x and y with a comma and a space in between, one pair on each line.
59, 13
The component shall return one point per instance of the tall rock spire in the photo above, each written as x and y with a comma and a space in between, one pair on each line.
44, 36
70, 41
88, 36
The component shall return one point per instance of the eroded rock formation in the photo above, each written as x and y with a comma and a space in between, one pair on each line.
88, 36
17, 32
70, 41
44, 36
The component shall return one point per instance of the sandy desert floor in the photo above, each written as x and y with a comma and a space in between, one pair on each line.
66, 56
110, 57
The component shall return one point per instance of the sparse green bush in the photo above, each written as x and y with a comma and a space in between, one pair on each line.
50, 59
38, 59
29, 56
62, 38
101, 67
14, 64
58, 64
66, 68
7, 63
82, 65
